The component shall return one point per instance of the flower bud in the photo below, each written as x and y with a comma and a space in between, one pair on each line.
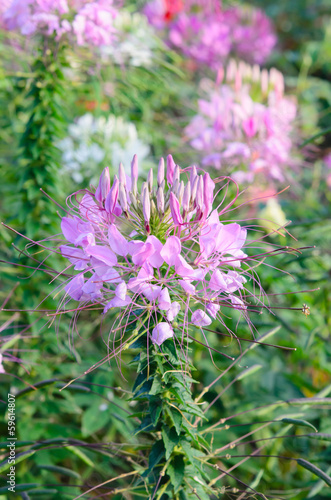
103, 186
160, 172
193, 175
208, 192
146, 204
176, 174
175, 210
199, 195
112, 196
187, 197
170, 169
122, 197
121, 175
160, 200
134, 174
180, 191
194, 186
150, 180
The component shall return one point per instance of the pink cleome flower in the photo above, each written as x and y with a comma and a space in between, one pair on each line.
247, 124
208, 33
163, 250
91, 22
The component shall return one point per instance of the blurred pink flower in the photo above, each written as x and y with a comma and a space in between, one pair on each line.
208, 33
92, 22
242, 125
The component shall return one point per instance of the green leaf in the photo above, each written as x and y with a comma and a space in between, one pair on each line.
299, 422
156, 386
176, 471
315, 470
155, 408
93, 420
176, 419
156, 454
169, 348
80, 454
170, 440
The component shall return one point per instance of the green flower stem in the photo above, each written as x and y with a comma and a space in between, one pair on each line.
177, 450
40, 158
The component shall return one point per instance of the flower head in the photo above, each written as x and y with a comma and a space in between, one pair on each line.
91, 22
245, 122
174, 260
208, 33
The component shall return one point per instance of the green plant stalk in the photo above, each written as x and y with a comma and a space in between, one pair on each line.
40, 159
177, 450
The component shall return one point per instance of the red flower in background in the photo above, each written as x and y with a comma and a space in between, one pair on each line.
172, 8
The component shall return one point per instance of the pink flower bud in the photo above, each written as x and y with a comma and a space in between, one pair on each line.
170, 169
180, 191
193, 175
146, 204
208, 192
176, 174
160, 172
121, 175
112, 196
103, 186
134, 173
194, 189
160, 200
122, 197
199, 195
150, 180
187, 197
175, 210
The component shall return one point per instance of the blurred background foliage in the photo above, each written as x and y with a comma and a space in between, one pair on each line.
79, 437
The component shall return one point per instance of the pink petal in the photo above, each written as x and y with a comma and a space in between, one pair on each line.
200, 318
102, 253
164, 300
162, 332
171, 249
117, 241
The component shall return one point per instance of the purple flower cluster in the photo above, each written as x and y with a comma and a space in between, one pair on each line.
208, 34
246, 123
91, 22
163, 250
